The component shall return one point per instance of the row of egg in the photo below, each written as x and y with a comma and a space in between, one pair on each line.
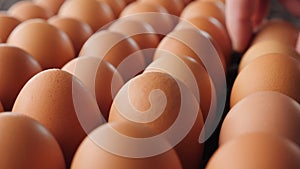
70, 117
260, 130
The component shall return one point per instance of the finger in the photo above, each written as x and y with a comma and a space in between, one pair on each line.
293, 6
238, 22
261, 10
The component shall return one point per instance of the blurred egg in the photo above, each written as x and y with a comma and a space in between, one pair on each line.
24, 10
161, 102
92, 155
116, 5
271, 72
141, 32
265, 111
50, 46
154, 14
7, 24
1, 107
119, 50
189, 72
266, 47
93, 12
51, 5
179, 42
100, 77
186, 1
197, 8
25, 143
60, 102
214, 28
174, 7
16, 68
278, 30
256, 150
78, 31
129, 1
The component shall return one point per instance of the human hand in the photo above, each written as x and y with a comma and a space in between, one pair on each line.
243, 16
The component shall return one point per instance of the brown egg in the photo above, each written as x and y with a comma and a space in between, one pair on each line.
271, 72
174, 7
24, 10
116, 5
119, 50
189, 72
101, 78
50, 46
16, 68
93, 12
7, 24
50, 5
213, 9
154, 14
78, 31
278, 30
92, 155
266, 47
60, 102
25, 143
1, 107
179, 42
141, 32
265, 111
256, 150
214, 28
159, 101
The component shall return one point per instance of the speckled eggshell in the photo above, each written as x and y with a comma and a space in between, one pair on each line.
60, 102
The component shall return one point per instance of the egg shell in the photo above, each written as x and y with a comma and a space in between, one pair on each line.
60, 102
50, 46
189, 72
16, 68
179, 43
160, 114
119, 50
174, 7
154, 14
256, 150
78, 31
50, 5
100, 77
214, 28
142, 32
213, 9
25, 143
93, 12
91, 155
116, 5
278, 30
7, 24
271, 72
265, 111
25, 10
266, 47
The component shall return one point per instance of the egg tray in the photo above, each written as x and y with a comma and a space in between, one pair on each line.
212, 143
